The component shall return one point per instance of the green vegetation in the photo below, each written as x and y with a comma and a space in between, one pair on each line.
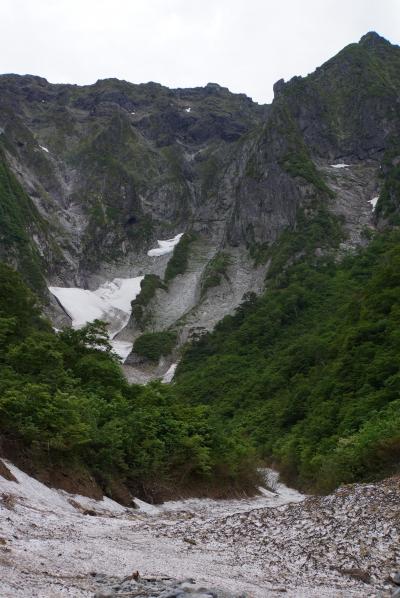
360, 75
388, 205
299, 163
179, 259
67, 404
153, 345
310, 371
148, 287
18, 219
317, 231
215, 269
117, 164
210, 167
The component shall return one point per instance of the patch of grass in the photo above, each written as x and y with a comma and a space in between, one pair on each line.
209, 169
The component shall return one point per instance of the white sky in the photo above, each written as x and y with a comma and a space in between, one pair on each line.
245, 45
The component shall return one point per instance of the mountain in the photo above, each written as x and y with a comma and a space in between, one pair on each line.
92, 176
185, 205
114, 166
244, 261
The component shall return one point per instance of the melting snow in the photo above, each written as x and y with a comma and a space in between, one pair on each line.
373, 202
340, 165
111, 302
44, 149
169, 374
120, 292
165, 247
259, 546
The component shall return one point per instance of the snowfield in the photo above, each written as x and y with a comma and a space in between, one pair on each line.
111, 302
373, 202
165, 247
343, 545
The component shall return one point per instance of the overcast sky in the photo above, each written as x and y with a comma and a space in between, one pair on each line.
245, 45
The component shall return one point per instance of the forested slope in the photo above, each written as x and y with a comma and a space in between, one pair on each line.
65, 404
309, 372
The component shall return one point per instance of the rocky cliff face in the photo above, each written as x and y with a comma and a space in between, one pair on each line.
113, 166
91, 176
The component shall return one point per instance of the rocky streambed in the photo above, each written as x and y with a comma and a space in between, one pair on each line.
278, 543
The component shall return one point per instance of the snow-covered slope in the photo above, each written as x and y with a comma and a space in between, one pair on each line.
111, 302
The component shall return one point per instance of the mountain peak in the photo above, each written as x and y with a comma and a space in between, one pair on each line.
373, 39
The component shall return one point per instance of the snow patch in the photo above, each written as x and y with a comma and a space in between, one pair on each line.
122, 349
169, 374
29, 489
373, 202
111, 302
165, 247
44, 149
120, 292
41, 497
340, 165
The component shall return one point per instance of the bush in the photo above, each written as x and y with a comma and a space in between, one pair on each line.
179, 260
153, 345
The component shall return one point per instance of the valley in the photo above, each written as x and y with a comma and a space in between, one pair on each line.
196, 293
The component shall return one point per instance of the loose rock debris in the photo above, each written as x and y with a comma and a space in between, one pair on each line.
340, 546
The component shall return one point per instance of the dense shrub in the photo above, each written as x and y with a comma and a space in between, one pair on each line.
153, 345
179, 259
